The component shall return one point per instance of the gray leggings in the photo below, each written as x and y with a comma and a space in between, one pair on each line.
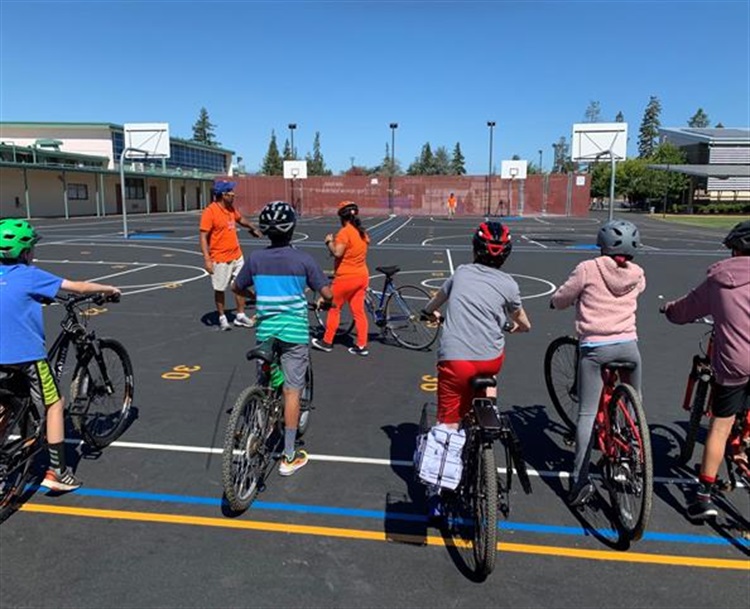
590, 386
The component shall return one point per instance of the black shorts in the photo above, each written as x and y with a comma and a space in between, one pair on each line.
729, 400
43, 388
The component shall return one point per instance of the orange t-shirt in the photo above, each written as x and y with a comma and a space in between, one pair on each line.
354, 260
221, 225
452, 202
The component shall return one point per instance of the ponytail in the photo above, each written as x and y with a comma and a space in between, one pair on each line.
357, 223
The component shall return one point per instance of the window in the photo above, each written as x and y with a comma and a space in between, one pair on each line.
134, 188
78, 192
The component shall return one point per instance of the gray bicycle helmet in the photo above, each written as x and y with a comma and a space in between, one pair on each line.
739, 237
277, 219
618, 238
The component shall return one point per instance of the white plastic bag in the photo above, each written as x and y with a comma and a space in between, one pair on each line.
438, 456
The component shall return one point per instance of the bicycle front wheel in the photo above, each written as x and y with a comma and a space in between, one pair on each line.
629, 470
245, 457
697, 410
101, 396
485, 513
346, 321
561, 377
402, 318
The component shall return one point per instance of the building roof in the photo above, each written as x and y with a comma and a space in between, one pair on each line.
732, 135
708, 171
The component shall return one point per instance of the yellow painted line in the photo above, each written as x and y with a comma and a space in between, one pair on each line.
432, 540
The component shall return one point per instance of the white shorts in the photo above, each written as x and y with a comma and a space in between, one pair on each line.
225, 272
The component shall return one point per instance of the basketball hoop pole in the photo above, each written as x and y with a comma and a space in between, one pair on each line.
611, 214
122, 187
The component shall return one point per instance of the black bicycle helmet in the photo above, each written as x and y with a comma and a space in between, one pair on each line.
277, 219
739, 238
492, 243
618, 238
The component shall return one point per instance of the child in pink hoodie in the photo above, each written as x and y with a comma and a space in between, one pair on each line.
725, 296
605, 291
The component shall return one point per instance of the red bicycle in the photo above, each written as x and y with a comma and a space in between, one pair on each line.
620, 428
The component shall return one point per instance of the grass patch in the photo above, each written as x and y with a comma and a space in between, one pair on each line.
711, 221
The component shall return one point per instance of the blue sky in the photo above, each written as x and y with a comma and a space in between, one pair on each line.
348, 69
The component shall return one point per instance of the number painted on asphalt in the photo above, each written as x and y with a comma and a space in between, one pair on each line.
180, 373
429, 383
172, 286
93, 312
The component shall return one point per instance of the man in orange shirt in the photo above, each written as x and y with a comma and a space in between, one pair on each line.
452, 203
222, 255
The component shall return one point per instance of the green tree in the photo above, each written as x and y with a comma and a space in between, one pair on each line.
441, 162
515, 157
424, 164
593, 112
273, 164
561, 162
719, 125
316, 165
287, 154
620, 118
699, 120
457, 161
649, 131
386, 168
203, 130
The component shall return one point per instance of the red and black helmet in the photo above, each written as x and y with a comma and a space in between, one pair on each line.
492, 244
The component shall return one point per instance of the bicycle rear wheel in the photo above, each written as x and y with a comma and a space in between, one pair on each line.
101, 399
485, 513
245, 456
21, 438
402, 318
697, 410
629, 470
561, 377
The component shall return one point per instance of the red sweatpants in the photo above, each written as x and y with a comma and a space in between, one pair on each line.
454, 388
348, 289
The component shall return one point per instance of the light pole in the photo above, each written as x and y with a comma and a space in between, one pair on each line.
491, 125
540, 161
292, 127
393, 127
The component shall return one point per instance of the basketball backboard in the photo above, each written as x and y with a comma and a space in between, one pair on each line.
148, 139
592, 141
295, 170
513, 170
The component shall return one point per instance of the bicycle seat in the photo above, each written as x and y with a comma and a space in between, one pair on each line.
265, 351
388, 271
483, 382
619, 366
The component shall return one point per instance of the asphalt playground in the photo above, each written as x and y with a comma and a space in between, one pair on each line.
148, 528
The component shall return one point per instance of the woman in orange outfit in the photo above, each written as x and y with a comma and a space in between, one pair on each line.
350, 279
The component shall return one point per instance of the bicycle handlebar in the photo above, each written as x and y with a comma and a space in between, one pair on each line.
98, 298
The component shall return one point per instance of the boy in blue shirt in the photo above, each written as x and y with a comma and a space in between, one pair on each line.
23, 288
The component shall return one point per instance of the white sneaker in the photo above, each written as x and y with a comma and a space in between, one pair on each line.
243, 321
224, 323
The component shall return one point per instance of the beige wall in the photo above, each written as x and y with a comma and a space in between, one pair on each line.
96, 141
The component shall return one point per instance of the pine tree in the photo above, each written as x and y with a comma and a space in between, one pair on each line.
457, 162
561, 162
386, 166
203, 130
593, 112
287, 154
649, 131
699, 120
441, 162
316, 165
620, 118
719, 125
272, 162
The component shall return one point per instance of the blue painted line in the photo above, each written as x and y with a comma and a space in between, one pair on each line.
299, 508
149, 236
586, 246
506, 218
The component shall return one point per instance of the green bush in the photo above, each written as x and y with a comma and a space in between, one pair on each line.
725, 208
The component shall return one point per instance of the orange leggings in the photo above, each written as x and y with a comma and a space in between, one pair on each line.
350, 290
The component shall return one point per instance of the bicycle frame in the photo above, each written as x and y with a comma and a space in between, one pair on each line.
701, 370
377, 310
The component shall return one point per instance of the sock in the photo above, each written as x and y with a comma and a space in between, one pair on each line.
290, 437
57, 456
706, 483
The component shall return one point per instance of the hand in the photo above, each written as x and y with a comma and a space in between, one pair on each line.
209, 266
255, 232
328, 239
323, 304
510, 326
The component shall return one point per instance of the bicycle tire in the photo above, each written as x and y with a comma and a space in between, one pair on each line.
244, 457
306, 402
402, 318
485, 513
16, 459
100, 426
630, 480
697, 409
346, 321
561, 378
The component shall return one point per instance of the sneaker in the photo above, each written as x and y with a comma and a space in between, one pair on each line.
63, 481
359, 351
224, 323
289, 466
702, 508
580, 494
244, 321
321, 345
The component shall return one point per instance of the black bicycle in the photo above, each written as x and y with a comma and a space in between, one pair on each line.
101, 395
255, 431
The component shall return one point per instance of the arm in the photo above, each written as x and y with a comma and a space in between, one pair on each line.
87, 287
334, 247
254, 230
520, 321
207, 262
569, 291
690, 307
437, 301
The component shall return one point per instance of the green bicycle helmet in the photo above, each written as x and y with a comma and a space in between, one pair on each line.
16, 237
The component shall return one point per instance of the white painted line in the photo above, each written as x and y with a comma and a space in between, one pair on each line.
541, 221
534, 242
394, 232
369, 228
450, 260
135, 270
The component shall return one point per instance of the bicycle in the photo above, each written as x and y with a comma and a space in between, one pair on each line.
698, 401
395, 311
620, 428
102, 377
256, 426
481, 490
